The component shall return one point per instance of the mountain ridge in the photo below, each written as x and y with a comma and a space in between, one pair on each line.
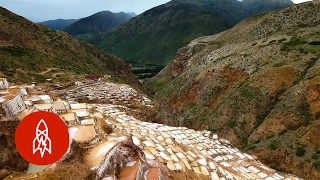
154, 36
98, 22
58, 24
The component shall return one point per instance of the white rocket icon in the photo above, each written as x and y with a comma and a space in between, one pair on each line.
42, 141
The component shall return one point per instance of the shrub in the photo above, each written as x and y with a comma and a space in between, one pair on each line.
314, 43
316, 164
272, 41
232, 123
273, 145
317, 115
250, 147
300, 151
281, 40
279, 64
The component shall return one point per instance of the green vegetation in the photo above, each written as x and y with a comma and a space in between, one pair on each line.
249, 147
283, 39
300, 151
316, 165
155, 43
155, 35
273, 145
317, 43
292, 44
116, 79
316, 154
146, 71
249, 92
272, 41
232, 123
279, 64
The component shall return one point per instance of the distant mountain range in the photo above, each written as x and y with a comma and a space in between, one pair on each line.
98, 22
154, 36
58, 24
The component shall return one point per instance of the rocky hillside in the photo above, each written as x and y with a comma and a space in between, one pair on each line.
58, 24
98, 22
154, 36
257, 85
32, 52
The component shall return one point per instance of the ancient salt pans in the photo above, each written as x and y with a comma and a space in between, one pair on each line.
82, 133
78, 106
178, 148
129, 172
109, 93
95, 155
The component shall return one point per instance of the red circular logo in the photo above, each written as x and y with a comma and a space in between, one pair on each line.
42, 138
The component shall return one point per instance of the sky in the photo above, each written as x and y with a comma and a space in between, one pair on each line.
42, 10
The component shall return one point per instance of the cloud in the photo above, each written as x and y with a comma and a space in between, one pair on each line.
40, 10
299, 1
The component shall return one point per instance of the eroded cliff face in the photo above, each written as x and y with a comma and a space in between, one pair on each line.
256, 85
10, 161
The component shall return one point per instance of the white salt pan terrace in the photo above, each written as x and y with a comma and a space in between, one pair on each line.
78, 106
95, 155
181, 148
68, 116
178, 148
82, 133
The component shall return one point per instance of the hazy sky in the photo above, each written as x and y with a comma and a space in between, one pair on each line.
41, 10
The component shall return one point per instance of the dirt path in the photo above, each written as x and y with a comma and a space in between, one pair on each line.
48, 70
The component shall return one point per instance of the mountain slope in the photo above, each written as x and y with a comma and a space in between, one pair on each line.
33, 52
257, 85
99, 22
58, 24
154, 36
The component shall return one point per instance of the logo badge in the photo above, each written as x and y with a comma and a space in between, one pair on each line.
41, 142
42, 138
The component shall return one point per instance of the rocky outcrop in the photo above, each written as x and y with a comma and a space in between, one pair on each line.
3, 83
12, 106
